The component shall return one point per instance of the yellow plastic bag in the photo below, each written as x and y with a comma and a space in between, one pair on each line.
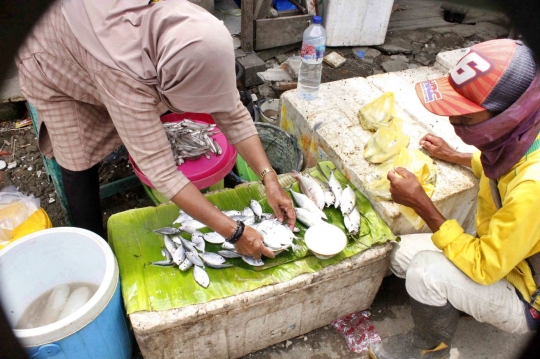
416, 162
378, 113
386, 142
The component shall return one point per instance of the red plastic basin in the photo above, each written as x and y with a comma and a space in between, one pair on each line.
203, 172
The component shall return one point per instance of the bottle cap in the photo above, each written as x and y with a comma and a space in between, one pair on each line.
317, 20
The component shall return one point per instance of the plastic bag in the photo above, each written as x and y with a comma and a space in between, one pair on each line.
416, 162
15, 208
378, 113
386, 142
357, 330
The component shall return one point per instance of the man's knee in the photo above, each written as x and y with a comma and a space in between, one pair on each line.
426, 272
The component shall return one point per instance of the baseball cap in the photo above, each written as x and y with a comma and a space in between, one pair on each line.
491, 76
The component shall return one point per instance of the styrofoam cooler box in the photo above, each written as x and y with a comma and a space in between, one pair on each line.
238, 325
328, 129
356, 22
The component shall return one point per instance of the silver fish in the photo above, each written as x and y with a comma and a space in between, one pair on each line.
219, 266
307, 218
188, 246
335, 186
352, 221
192, 224
310, 188
165, 253
348, 200
296, 230
168, 231
228, 246
232, 213
176, 239
185, 265
248, 212
165, 263
179, 256
247, 220
329, 198
229, 254
256, 207
305, 202
194, 258
169, 244
252, 261
183, 217
201, 277
212, 258
214, 237
198, 241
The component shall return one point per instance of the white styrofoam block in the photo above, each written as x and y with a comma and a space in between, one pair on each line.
328, 129
238, 325
448, 59
356, 22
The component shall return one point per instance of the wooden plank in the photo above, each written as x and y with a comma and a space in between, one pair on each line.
280, 31
247, 25
262, 8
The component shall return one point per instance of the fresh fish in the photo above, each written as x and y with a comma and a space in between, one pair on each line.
271, 241
188, 246
191, 224
335, 186
179, 256
256, 208
267, 216
183, 217
229, 254
168, 231
305, 202
348, 200
194, 258
176, 239
307, 218
165, 253
247, 220
311, 189
219, 266
198, 241
252, 261
232, 213
212, 258
274, 228
248, 212
169, 245
201, 277
296, 230
352, 221
185, 265
329, 198
214, 237
228, 246
165, 263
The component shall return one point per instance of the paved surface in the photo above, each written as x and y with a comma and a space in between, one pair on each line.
391, 315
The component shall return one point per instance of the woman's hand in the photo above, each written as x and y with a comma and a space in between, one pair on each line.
279, 201
438, 148
251, 243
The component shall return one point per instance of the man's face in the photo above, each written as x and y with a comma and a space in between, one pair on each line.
471, 119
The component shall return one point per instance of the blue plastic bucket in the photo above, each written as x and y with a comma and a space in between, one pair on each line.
43, 260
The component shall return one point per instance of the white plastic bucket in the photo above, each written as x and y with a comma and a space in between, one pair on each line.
45, 259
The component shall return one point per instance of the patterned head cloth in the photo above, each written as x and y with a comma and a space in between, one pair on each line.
491, 76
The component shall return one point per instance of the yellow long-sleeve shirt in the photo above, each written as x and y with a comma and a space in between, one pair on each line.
505, 237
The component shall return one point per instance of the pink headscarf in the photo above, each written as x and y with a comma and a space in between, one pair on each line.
174, 45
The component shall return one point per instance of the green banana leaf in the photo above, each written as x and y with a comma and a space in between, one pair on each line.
150, 288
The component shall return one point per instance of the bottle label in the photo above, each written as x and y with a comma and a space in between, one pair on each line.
312, 53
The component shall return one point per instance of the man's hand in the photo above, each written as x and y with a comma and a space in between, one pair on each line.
438, 148
407, 190
251, 243
279, 201
405, 187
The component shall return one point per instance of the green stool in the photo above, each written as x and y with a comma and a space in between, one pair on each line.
54, 174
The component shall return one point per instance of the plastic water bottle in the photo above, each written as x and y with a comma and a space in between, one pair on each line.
313, 47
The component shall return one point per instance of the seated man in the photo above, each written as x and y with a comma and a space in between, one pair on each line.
492, 97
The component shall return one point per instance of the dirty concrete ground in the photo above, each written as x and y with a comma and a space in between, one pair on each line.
390, 310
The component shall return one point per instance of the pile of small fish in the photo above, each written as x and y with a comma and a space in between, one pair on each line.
317, 194
191, 253
191, 140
